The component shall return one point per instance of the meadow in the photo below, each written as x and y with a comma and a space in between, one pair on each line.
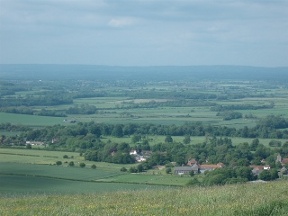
242, 199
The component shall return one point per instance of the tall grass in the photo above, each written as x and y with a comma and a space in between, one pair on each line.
243, 199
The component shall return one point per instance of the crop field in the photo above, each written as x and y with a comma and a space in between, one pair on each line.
30, 120
43, 157
113, 109
161, 115
26, 185
151, 178
194, 140
34, 171
36, 156
241, 199
57, 172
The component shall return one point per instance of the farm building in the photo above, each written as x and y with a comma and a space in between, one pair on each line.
186, 169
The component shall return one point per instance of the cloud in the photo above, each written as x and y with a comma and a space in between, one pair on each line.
178, 31
121, 22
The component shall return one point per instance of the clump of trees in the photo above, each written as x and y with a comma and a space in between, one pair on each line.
111, 152
82, 109
221, 108
228, 176
229, 115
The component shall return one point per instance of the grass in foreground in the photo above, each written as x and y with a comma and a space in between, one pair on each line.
244, 199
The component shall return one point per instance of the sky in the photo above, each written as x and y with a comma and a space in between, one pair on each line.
144, 32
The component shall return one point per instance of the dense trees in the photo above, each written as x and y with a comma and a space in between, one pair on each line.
86, 138
110, 152
229, 115
221, 108
82, 109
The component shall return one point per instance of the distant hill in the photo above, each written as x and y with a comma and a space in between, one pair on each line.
160, 73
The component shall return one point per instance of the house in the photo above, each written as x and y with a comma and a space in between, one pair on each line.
138, 157
209, 167
133, 152
284, 161
283, 171
281, 160
35, 143
258, 169
191, 162
181, 170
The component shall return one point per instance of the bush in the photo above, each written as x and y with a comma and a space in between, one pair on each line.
275, 143
82, 165
123, 169
93, 166
65, 156
58, 163
193, 181
71, 163
133, 170
168, 170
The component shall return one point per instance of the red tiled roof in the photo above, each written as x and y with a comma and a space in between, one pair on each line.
257, 167
285, 160
209, 166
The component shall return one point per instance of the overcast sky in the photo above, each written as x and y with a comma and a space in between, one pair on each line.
144, 32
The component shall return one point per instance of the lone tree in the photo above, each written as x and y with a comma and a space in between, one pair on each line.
58, 163
123, 169
168, 170
168, 139
82, 165
187, 139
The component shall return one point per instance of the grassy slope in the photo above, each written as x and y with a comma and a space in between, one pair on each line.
247, 199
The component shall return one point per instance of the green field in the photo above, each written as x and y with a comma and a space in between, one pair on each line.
26, 185
36, 156
25, 171
30, 120
194, 140
158, 178
57, 172
243, 199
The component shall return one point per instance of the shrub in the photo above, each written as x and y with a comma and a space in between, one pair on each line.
58, 163
168, 170
71, 163
133, 170
123, 169
93, 166
82, 165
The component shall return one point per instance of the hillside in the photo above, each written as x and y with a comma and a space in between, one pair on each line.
243, 199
